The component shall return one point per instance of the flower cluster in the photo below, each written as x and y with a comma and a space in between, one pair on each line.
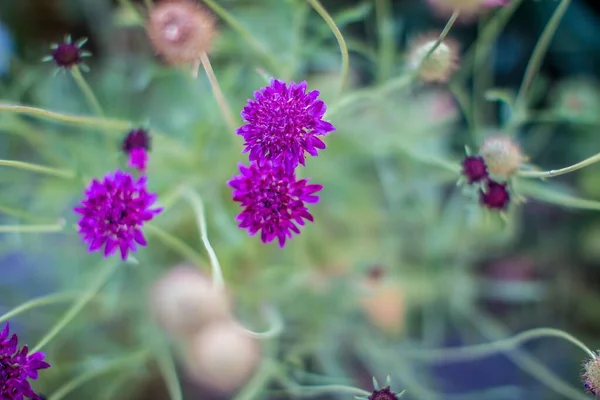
17, 366
282, 124
499, 158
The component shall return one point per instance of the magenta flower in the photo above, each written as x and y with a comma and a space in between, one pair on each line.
273, 200
282, 123
496, 196
68, 54
17, 367
136, 144
474, 169
114, 212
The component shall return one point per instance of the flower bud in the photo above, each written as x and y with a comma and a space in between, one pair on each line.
591, 375
439, 65
221, 357
184, 300
502, 155
180, 30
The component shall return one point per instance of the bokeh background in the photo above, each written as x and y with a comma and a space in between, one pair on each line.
398, 257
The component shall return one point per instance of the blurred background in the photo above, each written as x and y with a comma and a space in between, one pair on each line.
398, 258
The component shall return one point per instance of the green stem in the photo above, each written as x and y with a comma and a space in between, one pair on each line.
87, 91
110, 366
318, 390
258, 382
59, 227
275, 325
62, 173
237, 26
38, 302
176, 244
555, 172
66, 118
97, 284
218, 94
440, 38
169, 372
345, 71
541, 192
486, 349
383, 12
23, 214
539, 52
198, 206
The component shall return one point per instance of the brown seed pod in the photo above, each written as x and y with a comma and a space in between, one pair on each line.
180, 30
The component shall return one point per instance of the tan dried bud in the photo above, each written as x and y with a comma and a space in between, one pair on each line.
502, 155
184, 300
180, 30
440, 64
222, 357
383, 303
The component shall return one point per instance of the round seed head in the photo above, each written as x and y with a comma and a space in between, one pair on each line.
439, 65
502, 155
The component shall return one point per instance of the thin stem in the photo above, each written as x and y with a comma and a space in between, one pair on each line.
555, 172
176, 244
97, 284
87, 91
539, 52
486, 349
59, 227
345, 70
24, 215
251, 391
440, 38
539, 191
383, 12
38, 302
168, 371
317, 390
218, 93
198, 206
275, 325
111, 366
66, 118
62, 173
245, 33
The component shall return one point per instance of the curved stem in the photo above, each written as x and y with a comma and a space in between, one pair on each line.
237, 26
539, 51
66, 118
542, 192
97, 284
59, 227
486, 349
38, 302
317, 390
440, 38
110, 366
383, 13
275, 324
345, 71
555, 172
87, 91
167, 368
176, 244
218, 93
251, 391
198, 206
62, 173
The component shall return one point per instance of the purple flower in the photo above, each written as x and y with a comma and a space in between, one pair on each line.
474, 169
496, 196
282, 123
273, 200
136, 144
17, 367
68, 54
114, 212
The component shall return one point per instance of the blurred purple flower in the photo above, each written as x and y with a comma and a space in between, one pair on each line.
283, 122
17, 367
136, 144
273, 200
114, 211
495, 196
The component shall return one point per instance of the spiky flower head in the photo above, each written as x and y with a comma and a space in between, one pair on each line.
274, 201
180, 30
282, 123
474, 169
136, 144
114, 211
68, 54
17, 366
440, 64
502, 155
381, 393
494, 195
591, 375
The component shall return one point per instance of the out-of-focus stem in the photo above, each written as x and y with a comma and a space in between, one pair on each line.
87, 91
62, 173
218, 93
555, 172
59, 227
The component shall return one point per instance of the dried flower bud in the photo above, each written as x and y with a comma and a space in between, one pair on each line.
384, 305
221, 357
184, 300
180, 30
439, 65
591, 375
502, 155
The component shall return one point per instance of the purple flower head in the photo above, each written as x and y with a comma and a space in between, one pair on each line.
136, 144
68, 54
496, 196
283, 122
273, 200
474, 169
114, 211
17, 367
383, 394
